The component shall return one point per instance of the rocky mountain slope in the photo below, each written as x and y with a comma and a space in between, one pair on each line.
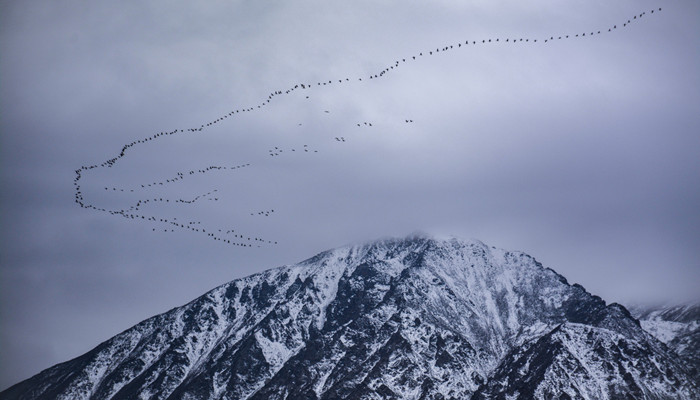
676, 326
413, 318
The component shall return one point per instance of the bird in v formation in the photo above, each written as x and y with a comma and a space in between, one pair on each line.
240, 239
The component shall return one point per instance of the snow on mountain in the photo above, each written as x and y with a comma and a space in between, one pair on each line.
411, 318
589, 362
676, 326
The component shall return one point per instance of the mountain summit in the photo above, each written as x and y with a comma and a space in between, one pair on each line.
413, 318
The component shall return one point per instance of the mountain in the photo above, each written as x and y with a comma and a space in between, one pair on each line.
413, 318
676, 326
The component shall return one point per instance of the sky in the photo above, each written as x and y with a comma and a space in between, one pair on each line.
580, 151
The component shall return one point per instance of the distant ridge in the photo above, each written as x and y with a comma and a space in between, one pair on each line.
676, 326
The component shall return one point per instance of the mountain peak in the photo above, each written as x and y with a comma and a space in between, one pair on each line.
405, 318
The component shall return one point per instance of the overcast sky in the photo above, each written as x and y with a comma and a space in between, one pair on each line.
583, 152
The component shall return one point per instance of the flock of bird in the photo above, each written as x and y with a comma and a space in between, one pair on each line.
207, 196
180, 176
277, 151
230, 236
264, 213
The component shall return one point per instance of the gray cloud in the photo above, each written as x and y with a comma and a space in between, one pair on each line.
582, 153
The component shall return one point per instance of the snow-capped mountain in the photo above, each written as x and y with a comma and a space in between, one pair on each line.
413, 318
676, 326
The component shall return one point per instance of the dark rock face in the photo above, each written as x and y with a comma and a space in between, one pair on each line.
417, 318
